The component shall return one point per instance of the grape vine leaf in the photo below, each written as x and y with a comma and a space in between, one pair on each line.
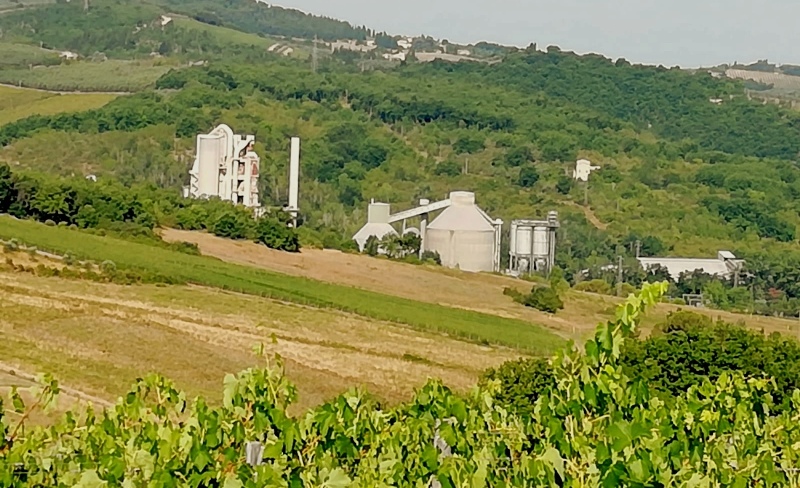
89, 479
552, 456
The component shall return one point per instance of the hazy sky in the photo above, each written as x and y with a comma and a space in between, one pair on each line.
688, 33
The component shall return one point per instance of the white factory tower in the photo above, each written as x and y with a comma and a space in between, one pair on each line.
225, 167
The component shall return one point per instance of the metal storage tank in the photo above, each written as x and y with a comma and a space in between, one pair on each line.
210, 150
540, 242
523, 241
462, 235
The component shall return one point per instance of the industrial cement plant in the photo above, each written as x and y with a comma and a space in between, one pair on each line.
226, 167
466, 237
463, 235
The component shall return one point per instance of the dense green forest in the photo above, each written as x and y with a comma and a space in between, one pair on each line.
680, 174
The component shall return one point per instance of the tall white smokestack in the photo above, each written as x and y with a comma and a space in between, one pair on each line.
294, 175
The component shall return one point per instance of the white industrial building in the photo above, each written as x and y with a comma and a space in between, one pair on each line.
378, 215
583, 168
724, 266
464, 235
225, 167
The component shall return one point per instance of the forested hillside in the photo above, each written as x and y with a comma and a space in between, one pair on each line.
689, 165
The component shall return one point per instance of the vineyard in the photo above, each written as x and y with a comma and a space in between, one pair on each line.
593, 427
18, 103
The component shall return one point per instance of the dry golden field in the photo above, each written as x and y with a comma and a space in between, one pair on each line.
98, 338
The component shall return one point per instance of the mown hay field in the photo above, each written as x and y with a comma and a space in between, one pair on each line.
98, 338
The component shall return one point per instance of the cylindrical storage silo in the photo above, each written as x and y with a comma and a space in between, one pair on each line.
462, 236
524, 240
209, 153
512, 237
540, 247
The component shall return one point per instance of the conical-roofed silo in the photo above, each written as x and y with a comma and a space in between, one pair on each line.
377, 224
463, 235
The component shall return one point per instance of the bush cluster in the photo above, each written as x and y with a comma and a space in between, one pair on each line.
681, 352
541, 298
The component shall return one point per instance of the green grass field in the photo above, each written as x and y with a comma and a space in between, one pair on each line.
211, 272
18, 103
86, 76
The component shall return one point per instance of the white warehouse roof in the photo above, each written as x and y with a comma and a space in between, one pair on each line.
724, 264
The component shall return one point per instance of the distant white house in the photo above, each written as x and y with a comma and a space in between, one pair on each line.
724, 266
351, 45
464, 52
165, 20
399, 56
68, 55
716, 101
406, 43
583, 168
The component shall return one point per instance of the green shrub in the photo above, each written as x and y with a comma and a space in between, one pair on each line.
185, 247
372, 246
232, 224
541, 298
431, 257
544, 299
627, 289
277, 235
521, 383
194, 217
349, 246
108, 267
594, 286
